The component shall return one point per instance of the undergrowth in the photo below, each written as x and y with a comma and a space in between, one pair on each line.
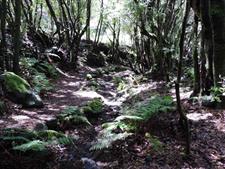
128, 123
72, 116
39, 72
94, 107
28, 140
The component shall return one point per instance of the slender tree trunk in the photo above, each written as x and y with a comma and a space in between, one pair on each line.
183, 118
88, 33
57, 24
3, 33
17, 36
196, 60
99, 27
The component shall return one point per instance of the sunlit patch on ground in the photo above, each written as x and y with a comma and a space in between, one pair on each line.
185, 93
198, 116
220, 124
20, 117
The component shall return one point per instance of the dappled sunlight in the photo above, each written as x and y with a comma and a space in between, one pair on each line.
20, 117
220, 124
185, 93
199, 116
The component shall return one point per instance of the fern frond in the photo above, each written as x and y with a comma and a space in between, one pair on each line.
35, 145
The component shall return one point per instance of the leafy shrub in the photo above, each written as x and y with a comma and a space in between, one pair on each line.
72, 116
95, 106
216, 93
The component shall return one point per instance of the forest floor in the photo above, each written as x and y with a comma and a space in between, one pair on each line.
207, 126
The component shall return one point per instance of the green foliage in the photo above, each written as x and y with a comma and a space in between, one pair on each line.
120, 83
216, 93
38, 73
154, 106
72, 115
14, 82
128, 122
95, 106
190, 73
46, 68
27, 140
93, 84
35, 145
107, 139
156, 144
41, 83
28, 63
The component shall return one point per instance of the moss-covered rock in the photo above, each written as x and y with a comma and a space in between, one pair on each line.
71, 116
18, 90
15, 83
94, 107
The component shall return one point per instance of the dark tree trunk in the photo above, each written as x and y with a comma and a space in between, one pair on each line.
183, 118
3, 33
17, 36
218, 20
196, 60
88, 33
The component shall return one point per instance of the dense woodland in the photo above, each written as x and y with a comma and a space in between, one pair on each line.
112, 84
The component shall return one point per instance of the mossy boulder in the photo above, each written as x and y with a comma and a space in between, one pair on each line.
18, 90
94, 107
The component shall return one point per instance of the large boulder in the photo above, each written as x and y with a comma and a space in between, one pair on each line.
19, 91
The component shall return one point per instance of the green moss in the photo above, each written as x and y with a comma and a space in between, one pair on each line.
14, 82
95, 106
72, 116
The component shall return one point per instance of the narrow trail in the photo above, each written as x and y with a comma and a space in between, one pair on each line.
68, 91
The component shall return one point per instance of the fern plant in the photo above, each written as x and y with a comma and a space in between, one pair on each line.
41, 83
154, 106
72, 115
27, 140
126, 124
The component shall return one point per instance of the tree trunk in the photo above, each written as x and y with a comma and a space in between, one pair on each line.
196, 61
88, 33
17, 36
3, 33
218, 20
183, 118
